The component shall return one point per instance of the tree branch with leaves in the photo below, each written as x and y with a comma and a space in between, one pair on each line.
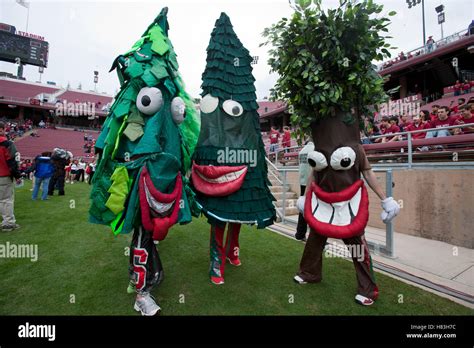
325, 59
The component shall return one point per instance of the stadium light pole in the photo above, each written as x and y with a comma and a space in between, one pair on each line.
412, 3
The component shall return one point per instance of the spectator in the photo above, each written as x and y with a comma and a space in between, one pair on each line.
417, 125
457, 88
67, 169
455, 108
43, 169
81, 170
470, 28
443, 120
390, 127
274, 136
466, 87
430, 44
8, 169
425, 116
466, 118
91, 168
434, 112
286, 139
41, 124
304, 172
403, 122
74, 171
60, 159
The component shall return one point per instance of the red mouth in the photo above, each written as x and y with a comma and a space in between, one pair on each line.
342, 214
218, 181
159, 210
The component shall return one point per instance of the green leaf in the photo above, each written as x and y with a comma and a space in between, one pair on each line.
392, 13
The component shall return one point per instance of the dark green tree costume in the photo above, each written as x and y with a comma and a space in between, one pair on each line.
145, 150
229, 172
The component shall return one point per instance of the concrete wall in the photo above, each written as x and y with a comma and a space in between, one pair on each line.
436, 204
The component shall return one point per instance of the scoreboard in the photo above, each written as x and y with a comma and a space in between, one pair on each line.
30, 50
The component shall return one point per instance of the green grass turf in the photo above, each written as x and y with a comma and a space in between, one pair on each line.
87, 261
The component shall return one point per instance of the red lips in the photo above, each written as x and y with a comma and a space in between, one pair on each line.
218, 181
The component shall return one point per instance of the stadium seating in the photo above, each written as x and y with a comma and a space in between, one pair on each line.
446, 101
30, 147
19, 90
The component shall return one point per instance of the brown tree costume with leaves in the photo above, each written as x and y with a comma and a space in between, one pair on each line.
324, 59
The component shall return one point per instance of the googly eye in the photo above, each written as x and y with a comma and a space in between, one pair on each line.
233, 108
343, 158
178, 109
149, 100
317, 160
209, 104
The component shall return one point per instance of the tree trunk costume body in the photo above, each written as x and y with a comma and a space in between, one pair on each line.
229, 172
145, 150
336, 203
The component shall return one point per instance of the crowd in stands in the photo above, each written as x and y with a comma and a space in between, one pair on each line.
429, 47
439, 117
463, 87
14, 130
275, 136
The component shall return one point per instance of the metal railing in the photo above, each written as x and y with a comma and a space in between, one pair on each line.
409, 136
284, 150
423, 50
410, 151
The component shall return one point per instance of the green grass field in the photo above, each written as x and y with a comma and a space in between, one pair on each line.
85, 262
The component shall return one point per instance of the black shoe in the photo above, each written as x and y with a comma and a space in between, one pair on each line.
301, 237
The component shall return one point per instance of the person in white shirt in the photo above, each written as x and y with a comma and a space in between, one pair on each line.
304, 170
74, 171
81, 170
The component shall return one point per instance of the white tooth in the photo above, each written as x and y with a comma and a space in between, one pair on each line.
225, 178
342, 215
355, 202
324, 211
157, 206
314, 202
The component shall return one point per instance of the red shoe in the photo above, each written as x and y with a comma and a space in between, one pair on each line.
217, 280
235, 262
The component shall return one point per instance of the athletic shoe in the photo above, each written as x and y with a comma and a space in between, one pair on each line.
146, 305
299, 280
8, 228
364, 301
131, 288
235, 262
217, 280
301, 238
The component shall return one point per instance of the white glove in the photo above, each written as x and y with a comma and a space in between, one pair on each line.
390, 209
300, 204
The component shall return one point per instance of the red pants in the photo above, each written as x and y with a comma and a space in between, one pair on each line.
219, 252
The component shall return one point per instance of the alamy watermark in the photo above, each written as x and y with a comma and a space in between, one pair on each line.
19, 251
356, 251
228, 155
75, 109
400, 107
